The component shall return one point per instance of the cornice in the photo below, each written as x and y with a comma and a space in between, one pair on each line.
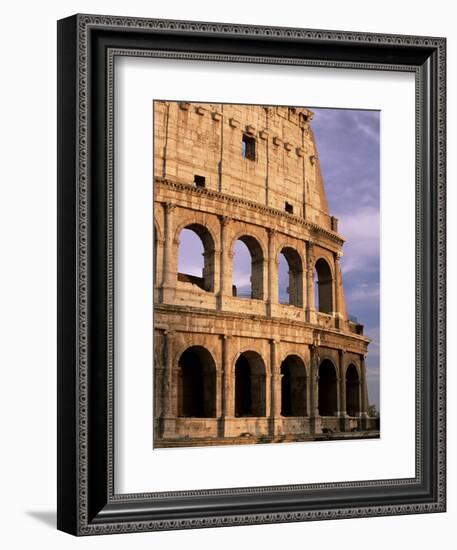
313, 228
263, 319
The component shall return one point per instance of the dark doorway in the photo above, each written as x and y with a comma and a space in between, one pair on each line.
197, 384
352, 391
250, 385
293, 387
243, 404
327, 389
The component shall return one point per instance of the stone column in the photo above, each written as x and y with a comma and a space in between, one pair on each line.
210, 273
219, 391
363, 394
315, 420
158, 260
168, 378
158, 268
309, 390
342, 390
228, 386
272, 299
337, 291
342, 379
175, 371
225, 271
262, 293
302, 284
169, 263
310, 306
275, 388
168, 406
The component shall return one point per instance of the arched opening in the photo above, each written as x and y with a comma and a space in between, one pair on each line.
327, 398
250, 385
247, 269
352, 391
293, 387
196, 257
196, 383
324, 283
290, 277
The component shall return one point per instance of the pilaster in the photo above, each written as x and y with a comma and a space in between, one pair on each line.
310, 308
227, 386
169, 260
315, 420
225, 272
275, 400
168, 391
272, 299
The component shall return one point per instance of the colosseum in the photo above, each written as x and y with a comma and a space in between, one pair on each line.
250, 367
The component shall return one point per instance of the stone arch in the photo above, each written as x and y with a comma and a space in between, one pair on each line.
324, 280
294, 350
295, 275
293, 386
351, 361
205, 222
250, 385
184, 341
352, 390
327, 390
256, 277
206, 280
196, 383
158, 229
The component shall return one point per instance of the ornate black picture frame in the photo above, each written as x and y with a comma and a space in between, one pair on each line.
87, 502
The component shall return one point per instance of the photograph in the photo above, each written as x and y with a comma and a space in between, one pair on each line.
266, 274
226, 314
251, 282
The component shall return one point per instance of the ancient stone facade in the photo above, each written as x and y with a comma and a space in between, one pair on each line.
230, 368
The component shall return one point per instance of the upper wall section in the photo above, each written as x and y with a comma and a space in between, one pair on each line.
260, 153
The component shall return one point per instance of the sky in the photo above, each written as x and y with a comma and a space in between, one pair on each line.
349, 154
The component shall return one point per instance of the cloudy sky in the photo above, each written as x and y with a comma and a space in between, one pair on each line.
348, 149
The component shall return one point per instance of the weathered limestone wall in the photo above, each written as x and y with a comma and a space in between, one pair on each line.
226, 337
245, 198
205, 139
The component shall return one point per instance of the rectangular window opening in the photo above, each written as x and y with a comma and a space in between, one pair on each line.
199, 181
289, 208
248, 147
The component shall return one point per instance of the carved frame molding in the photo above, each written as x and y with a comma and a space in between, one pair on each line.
87, 503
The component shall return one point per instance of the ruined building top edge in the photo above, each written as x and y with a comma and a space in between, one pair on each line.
264, 154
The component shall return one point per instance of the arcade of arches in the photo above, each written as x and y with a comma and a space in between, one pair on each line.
195, 250
267, 396
207, 396
252, 339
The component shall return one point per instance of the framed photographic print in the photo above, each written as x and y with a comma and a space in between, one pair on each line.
251, 274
